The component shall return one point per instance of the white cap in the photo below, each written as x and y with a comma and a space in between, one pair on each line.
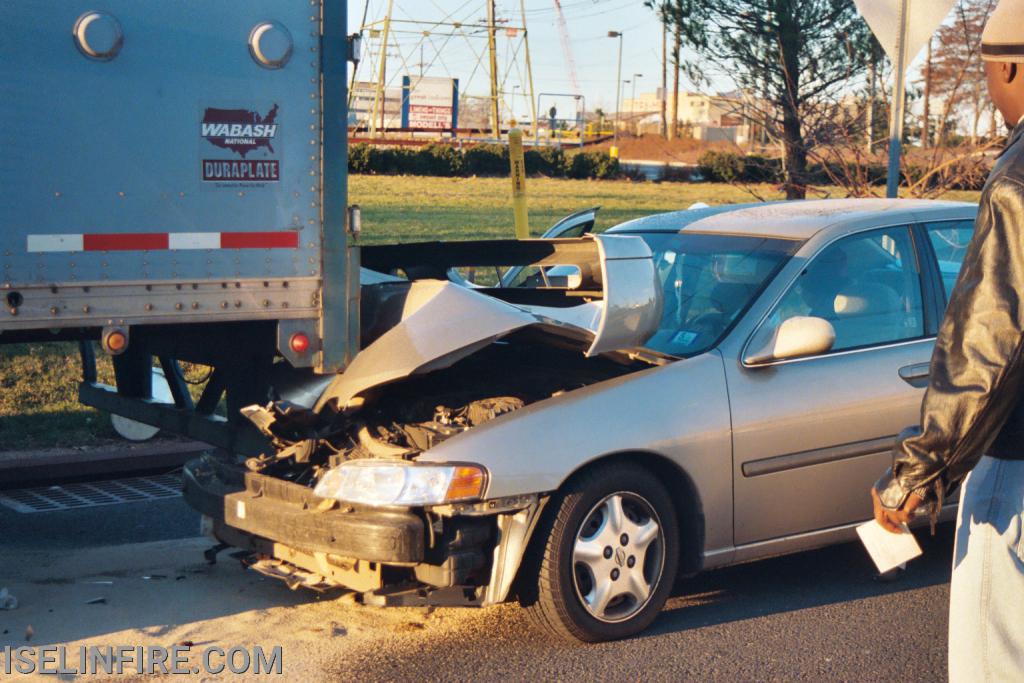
1003, 38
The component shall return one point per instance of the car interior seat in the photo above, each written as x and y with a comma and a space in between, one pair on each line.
868, 313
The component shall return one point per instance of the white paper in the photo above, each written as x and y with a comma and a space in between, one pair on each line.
888, 550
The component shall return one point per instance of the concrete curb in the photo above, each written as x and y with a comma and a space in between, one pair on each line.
19, 468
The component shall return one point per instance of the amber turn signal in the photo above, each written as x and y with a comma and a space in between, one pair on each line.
115, 342
467, 482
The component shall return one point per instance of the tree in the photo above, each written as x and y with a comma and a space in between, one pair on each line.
682, 18
926, 119
957, 71
797, 56
875, 55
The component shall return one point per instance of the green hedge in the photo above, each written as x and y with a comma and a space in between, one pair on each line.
730, 167
478, 160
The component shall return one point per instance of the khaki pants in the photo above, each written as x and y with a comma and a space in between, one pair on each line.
986, 603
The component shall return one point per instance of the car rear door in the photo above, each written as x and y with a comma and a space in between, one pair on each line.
810, 436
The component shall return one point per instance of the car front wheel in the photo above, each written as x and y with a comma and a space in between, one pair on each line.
606, 556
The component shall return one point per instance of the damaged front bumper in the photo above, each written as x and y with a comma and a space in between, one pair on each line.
465, 554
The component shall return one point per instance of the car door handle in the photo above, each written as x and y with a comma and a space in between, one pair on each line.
916, 375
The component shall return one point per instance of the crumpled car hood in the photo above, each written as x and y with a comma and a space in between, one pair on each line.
441, 322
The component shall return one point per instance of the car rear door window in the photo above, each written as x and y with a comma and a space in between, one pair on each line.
868, 286
949, 240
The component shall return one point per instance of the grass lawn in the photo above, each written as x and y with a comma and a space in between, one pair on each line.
39, 405
405, 208
38, 383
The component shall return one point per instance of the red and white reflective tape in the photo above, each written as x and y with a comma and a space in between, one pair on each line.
158, 241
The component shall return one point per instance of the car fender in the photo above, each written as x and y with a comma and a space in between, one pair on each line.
679, 411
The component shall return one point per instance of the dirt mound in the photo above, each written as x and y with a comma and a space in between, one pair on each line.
656, 148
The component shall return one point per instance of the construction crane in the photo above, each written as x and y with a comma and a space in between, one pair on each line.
563, 32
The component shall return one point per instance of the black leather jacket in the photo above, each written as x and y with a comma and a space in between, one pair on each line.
973, 403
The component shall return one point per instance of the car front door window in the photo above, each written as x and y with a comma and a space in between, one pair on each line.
949, 240
867, 286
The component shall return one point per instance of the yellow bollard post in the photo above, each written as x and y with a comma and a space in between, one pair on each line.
518, 163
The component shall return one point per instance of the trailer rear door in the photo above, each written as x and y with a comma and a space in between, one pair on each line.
162, 162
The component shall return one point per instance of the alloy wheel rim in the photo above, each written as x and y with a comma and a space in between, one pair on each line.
618, 557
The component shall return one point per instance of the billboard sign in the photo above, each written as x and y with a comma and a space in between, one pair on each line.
430, 102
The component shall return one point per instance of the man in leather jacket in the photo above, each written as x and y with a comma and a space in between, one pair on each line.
972, 419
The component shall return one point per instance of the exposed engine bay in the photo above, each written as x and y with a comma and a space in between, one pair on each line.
402, 419
440, 358
342, 497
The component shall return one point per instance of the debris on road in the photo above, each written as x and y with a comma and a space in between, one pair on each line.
29, 632
96, 601
7, 601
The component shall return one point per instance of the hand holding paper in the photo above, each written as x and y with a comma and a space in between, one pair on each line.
888, 550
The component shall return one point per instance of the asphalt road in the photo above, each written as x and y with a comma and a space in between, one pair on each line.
812, 616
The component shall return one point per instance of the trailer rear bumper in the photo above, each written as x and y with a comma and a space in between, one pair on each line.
288, 513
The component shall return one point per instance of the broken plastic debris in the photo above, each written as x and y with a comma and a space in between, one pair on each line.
96, 601
7, 601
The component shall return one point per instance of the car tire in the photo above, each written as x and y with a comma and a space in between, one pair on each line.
585, 578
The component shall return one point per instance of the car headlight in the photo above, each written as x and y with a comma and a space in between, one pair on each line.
377, 482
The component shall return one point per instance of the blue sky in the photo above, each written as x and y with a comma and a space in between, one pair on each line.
587, 21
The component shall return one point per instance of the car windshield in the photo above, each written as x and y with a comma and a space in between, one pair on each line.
708, 281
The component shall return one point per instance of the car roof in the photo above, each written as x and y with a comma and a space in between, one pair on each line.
795, 220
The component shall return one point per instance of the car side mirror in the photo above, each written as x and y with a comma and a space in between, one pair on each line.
796, 337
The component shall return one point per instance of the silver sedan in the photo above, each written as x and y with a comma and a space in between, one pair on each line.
743, 377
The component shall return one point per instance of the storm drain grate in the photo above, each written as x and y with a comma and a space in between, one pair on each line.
92, 494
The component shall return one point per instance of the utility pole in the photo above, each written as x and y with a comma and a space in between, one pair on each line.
378, 95
898, 105
529, 75
492, 49
673, 126
632, 101
618, 93
664, 77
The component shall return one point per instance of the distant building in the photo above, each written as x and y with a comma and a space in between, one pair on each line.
361, 100
716, 117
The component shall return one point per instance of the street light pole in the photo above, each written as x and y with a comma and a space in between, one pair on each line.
632, 102
618, 94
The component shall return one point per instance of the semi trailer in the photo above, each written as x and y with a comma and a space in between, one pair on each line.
174, 191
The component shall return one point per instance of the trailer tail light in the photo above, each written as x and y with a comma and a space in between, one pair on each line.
114, 342
299, 342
